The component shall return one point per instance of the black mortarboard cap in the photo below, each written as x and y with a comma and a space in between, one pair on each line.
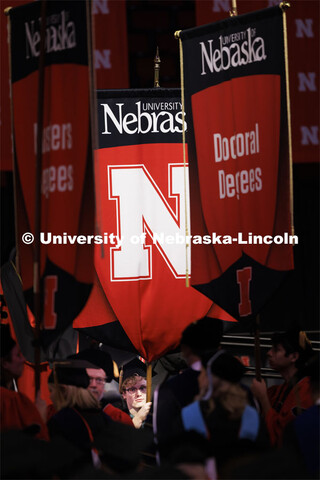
96, 358
134, 367
228, 367
70, 372
203, 335
7, 342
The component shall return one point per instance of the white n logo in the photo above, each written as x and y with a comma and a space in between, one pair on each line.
100, 6
102, 58
307, 81
304, 28
309, 135
221, 5
142, 208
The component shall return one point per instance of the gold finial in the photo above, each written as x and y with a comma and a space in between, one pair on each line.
7, 11
157, 62
234, 11
303, 340
284, 5
177, 34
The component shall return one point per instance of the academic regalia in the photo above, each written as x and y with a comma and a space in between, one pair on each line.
286, 400
78, 426
171, 397
17, 412
117, 415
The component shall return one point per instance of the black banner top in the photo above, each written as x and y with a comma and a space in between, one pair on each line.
64, 41
127, 116
232, 48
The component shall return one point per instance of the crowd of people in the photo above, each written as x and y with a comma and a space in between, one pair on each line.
204, 422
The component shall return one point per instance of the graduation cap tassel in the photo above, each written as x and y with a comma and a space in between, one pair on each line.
120, 379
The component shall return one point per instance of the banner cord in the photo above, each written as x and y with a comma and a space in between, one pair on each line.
284, 6
184, 156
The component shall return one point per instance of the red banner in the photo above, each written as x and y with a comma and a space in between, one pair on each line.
110, 60
303, 43
5, 114
141, 259
239, 163
67, 202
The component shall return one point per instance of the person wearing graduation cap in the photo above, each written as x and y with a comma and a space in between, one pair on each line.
199, 341
78, 416
222, 413
17, 412
133, 389
100, 369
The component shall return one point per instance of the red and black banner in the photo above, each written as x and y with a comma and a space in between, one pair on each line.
111, 44
303, 42
67, 195
235, 93
141, 210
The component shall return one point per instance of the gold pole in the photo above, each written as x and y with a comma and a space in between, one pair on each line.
15, 167
284, 6
157, 62
177, 36
234, 11
257, 349
149, 382
37, 213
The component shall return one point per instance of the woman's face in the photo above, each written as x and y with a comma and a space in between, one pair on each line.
136, 394
15, 365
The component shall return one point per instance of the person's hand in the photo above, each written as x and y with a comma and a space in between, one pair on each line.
41, 406
141, 415
259, 388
